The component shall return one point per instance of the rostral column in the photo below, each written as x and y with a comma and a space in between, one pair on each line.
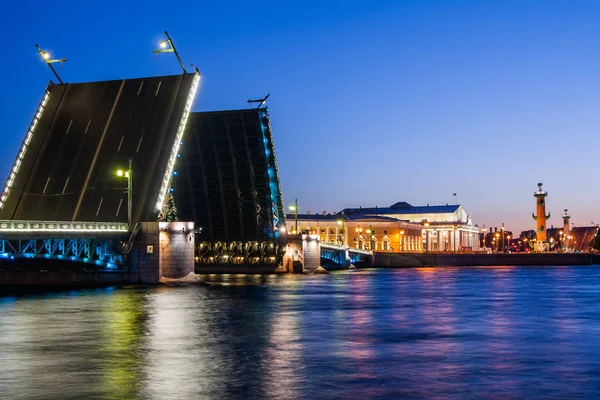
541, 217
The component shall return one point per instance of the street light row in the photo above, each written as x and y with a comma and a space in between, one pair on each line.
166, 46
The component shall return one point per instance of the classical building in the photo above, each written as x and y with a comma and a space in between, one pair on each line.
400, 227
376, 233
444, 227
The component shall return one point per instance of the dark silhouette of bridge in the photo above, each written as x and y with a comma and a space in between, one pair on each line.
63, 200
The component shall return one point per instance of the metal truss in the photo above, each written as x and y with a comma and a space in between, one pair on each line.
337, 254
240, 253
105, 252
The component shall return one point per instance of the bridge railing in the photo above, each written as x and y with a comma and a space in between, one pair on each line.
43, 227
333, 246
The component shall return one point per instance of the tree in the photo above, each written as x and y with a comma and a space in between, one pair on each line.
595, 243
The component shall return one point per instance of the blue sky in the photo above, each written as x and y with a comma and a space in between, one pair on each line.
371, 102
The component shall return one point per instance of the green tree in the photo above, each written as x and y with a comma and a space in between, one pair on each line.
595, 243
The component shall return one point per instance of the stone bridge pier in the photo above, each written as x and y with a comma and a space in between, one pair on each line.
162, 249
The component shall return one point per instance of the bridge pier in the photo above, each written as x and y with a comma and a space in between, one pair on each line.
303, 254
162, 249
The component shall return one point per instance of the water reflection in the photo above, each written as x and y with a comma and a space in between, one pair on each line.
424, 333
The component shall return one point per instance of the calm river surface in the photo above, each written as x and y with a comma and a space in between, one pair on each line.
506, 332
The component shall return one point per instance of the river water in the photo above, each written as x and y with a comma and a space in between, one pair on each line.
506, 332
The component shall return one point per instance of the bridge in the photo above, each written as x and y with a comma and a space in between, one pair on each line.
63, 200
336, 255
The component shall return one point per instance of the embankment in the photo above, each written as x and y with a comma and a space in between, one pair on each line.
395, 260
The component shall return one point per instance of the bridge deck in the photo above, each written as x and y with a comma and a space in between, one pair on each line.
81, 134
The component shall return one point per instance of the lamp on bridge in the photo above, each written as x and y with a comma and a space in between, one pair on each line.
294, 208
167, 46
129, 175
46, 56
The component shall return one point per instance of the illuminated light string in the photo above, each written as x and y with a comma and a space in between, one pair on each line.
107, 264
272, 172
60, 226
61, 230
18, 161
164, 188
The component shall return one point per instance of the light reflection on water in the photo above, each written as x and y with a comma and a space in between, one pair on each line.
506, 332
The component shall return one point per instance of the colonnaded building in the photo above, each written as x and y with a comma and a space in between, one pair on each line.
400, 227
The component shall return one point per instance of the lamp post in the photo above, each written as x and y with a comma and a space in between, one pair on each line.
167, 46
525, 240
294, 208
343, 231
129, 175
497, 240
561, 239
46, 56
503, 248
426, 226
401, 240
508, 241
483, 232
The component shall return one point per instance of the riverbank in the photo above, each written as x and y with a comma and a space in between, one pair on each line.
395, 260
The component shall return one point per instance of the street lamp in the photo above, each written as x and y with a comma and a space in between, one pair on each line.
426, 226
496, 240
508, 240
401, 240
46, 56
294, 208
167, 46
503, 248
343, 230
129, 175
525, 240
561, 239
483, 232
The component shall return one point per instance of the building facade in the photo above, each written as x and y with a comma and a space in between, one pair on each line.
398, 228
366, 233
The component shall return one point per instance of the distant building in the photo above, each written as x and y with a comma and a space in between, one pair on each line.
445, 228
400, 227
366, 233
578, 238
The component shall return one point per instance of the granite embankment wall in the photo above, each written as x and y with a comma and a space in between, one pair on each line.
395, 260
